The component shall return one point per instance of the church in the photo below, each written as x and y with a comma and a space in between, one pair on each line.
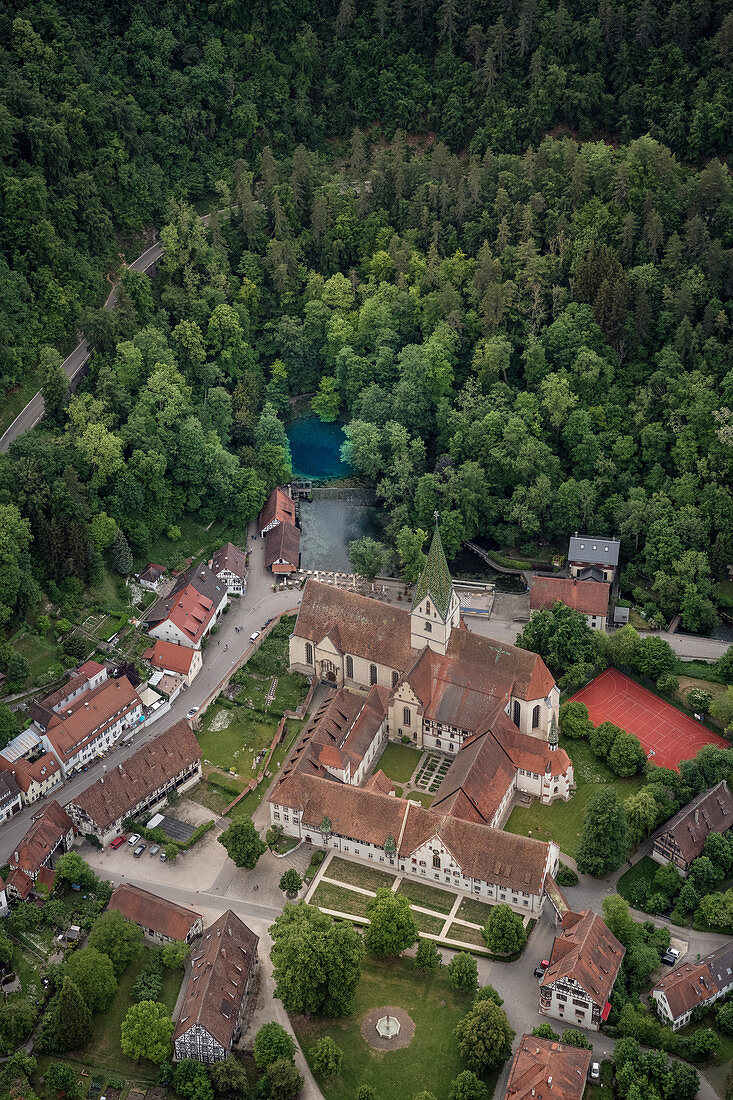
491, 709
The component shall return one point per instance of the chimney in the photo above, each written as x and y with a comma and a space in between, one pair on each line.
119, 766
549, 1081
17, 857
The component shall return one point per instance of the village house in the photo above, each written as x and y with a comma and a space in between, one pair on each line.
584, 963
683, 837
91, 724
229, 564
50, 835
588, 597
152, 576
178, 660
694, 985
543, 1069
161, 920
282, 549
35, 771
591, 558
279, 508
187, 614
171, 762
11, 796
223, 966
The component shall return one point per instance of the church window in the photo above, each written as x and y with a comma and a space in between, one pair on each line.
515, 715
308, 653
536, 717
350, 668
406, 716
429, 628
436, 860
437, 743
427, 607
372, 674
395, 678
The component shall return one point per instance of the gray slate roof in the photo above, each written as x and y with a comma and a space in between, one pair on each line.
594, 549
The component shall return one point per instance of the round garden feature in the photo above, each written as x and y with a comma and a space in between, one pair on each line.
388, 1028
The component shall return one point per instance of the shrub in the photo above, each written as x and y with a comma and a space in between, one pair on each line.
326, 1057
566, 876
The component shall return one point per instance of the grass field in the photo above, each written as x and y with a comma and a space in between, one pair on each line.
421, 796
643, 871
369, 878
236, 744
466, 935
427, 923
329, 896
195, 542
43, 655
563, 821
399, 761
475, 911
431, 1061
419, 893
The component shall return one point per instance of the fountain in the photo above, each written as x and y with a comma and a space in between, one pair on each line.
388, 1027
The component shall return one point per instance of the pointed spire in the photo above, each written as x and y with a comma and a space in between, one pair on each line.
436, 579
553, 736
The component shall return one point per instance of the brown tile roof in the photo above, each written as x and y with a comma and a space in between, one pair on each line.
589, 597
41, 838
46, 877
356, 624
283, 542
587, 951
339, 733
130, 783
230, 557
711, 811
90, 669
379, 782
153, 573
150, 911
692, 984
222, 964
538, 1061
25, 773
91, 712
530, 676
279, 506
168, 655
456, 691
197, 580
21, 882
9, 789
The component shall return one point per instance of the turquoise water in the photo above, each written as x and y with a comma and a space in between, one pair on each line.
328, 526
316, 449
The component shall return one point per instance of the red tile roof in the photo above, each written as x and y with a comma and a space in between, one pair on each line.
589, 597
151, 911
46, 877
169, 656
21, 882
26, 773
153, 573
41, 838
90, 669
540, 1061
190, 612
89, 714
279, 507
587, 951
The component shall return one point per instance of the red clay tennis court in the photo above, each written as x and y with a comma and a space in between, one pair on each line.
666, 734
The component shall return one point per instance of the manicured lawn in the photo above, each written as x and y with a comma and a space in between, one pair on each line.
339, 898
369, 878
476, 911
643, 871
563, 821
427, 923
467, 935
399, 761
431, 1061
420, 796
419, 893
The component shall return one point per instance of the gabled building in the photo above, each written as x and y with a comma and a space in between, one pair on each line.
152, 575
89, 725
11, 796
584, 963
191, 609
683, 837
178, 660
588, 597
282, 549
592, 558
86, 678
223, 967
543, 1069
26, 761
50, 835
229, 564
694, 985
171, 762
279, 508
161, 920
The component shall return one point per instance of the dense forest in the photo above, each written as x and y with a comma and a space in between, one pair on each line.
530, 333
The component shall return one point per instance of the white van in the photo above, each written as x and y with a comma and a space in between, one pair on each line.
253, 637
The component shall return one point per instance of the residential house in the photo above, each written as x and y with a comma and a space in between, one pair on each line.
229, 564
85, 679
11, 796
584, 963
282, 549
192, 608
593, 558
171, 762
36, 771
694, 985
51, 834
683, 837
180, 660
588, 597
279, 508
223, 966
91, 723
543, 1069
152, 576
161, 920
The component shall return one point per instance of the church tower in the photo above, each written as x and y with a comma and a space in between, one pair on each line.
435, 608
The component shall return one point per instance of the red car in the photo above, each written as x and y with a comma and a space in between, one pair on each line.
118, 842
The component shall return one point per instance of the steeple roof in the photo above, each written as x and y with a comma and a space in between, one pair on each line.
436, 579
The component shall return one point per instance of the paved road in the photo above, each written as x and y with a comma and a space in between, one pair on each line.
33, 411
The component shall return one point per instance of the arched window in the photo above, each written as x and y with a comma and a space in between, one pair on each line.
437, 743
350, 668
536, 717
515, 715
429, 627
395, 678
406, 716
372, 674
436, 860
308, 653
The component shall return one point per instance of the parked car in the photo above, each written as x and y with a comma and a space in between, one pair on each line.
595, 1071
117, 842
139, 850
191, 713
155, 849
254, 635
539, 971
132, 841
163, 857
670, 956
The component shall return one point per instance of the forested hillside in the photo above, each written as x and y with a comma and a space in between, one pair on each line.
108, 109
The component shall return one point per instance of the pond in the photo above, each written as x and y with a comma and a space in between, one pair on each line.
328, 526
316, 449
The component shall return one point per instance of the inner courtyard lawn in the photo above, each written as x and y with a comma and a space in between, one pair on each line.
431, 1061
563, 821
369, 878
398, 761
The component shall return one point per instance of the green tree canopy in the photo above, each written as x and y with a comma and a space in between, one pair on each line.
243, 844
484, 1037
317, 964
119, 939
392, 928
272, 1043
93, 974
503, 932
604, 836
147, 1031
